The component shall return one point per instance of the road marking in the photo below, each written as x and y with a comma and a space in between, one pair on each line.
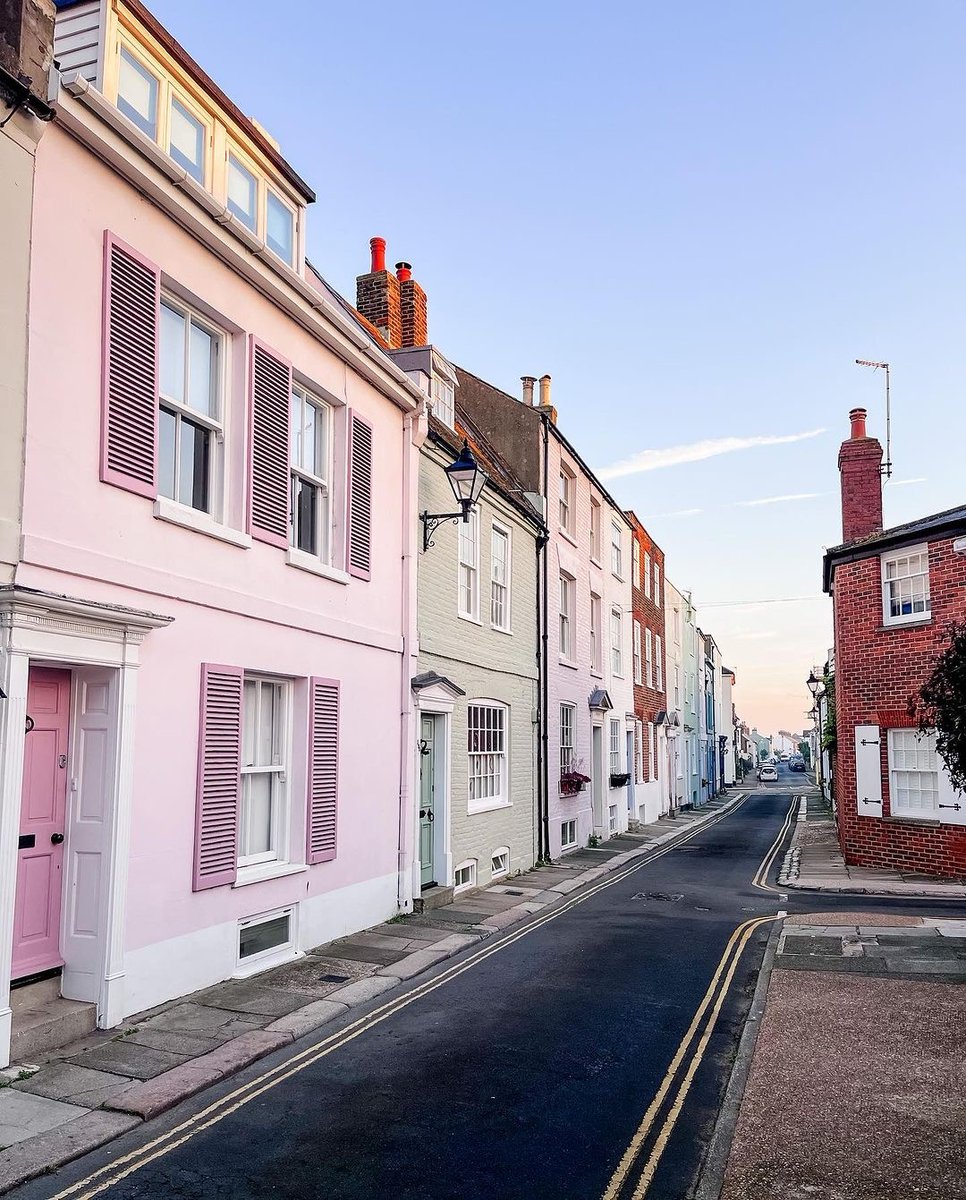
723, 975
761, 876
108, 1175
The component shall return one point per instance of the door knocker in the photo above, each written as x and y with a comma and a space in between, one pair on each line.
29, 725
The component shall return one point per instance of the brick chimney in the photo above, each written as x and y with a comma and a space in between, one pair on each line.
412, 302
545, 398
860, 462
377, 296
26, 41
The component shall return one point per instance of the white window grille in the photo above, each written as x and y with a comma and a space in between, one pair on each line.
637, 653
636, 560
310, 521
913, 773
905, 586
443, 396
262, 812
568, 722
500, 862
566, 617
486, 734
616, 642
647, 575
615, 747
648, 658
464, 876
500, 578
658, 663
568, 834
595, 548
566, 501
469, 567
595, 632
612, 818
616, 551
657, 583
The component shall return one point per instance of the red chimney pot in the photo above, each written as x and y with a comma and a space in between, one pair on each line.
857, 417
404, 271
377, 247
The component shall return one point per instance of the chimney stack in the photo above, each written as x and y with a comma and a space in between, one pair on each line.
377, 296
860, 468
528, 381
545, 398
412, 301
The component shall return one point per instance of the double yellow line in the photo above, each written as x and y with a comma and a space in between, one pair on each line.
761, 876
120, 1168
705, 1019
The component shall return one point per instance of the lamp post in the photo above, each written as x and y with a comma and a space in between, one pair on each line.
466, 478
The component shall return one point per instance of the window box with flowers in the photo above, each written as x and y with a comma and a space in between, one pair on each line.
573, 780
619, 778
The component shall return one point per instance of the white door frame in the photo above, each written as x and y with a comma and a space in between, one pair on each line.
38, 627
437, 700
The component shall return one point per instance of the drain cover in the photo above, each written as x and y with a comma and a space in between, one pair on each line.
334, 978
512, 892
669, 897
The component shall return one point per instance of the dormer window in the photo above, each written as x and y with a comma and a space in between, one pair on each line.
186, 141
444, 400
279, 228
137, 93
242, 193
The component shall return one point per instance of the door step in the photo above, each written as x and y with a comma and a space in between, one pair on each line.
433, 897
42, 1020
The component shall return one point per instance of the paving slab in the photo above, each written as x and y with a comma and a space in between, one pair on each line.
200, 1019
346, 951
457, 941
122, 1057
459, 916
305, 1020
23, 1115
415, 963
380, 941
364, 990
73, 1084
173, 1042
38, 1155
246, 996
510, 917
407, 928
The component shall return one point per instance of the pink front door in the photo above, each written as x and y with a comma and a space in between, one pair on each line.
43, 819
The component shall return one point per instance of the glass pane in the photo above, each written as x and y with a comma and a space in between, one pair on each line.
250, 717
187, 141
256, 823
309, 435
242, 193
201, 371
167, 432
137, 94
172, 354
267, 718
264, 936
193, 467
295, 429
306, 531
279, 233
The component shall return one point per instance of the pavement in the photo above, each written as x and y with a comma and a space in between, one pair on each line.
857, 1087
814, 863
83, 1095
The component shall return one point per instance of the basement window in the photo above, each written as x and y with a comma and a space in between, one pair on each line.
568, 835
465, 875
265, 939
500, 862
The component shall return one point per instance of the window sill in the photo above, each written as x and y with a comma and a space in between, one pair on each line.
474, 809
567, 536
256, 965
472, 620
911, 623
264, 871
567, 662
500, 629
314, 566
199, 522
928, 822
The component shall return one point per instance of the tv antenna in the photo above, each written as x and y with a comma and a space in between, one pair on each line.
886, 467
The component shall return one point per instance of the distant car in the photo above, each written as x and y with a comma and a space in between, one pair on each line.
784, 757
767, 772
796, 763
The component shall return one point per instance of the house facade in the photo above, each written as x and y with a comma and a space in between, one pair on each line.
210, 616
727, 728
649, 633
693, 690
584, 611
675, 687
895, 593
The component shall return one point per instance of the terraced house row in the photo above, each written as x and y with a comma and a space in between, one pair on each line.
302, 624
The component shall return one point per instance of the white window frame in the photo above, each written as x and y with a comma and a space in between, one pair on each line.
596, 617
323, 499
648, 658
567, 587
568, 736
443, 400
595, 529
616, 551
568, 506
658, 663
617, 642
468, 569
502, 603
500, 862
651, 752
180, 410
922, 745
568, 834
478, 769
614, 746
638, 675
468, 867
899, 556
636, 560
657, 583
647, 575
272, 955
278, 771
612, 818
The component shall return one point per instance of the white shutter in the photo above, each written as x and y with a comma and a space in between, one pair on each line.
952, 804
868, 771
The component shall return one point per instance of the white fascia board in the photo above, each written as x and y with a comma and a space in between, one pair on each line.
269, 275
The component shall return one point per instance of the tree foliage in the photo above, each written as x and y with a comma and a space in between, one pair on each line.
941, 704
830, 729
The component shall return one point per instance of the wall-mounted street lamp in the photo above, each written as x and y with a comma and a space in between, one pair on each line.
813, 683
466, 479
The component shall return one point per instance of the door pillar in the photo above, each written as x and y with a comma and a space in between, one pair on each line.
14, 669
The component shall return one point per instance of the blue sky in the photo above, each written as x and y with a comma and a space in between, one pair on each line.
694, 216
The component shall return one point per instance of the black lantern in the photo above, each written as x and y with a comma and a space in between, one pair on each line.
813, 683
466, 478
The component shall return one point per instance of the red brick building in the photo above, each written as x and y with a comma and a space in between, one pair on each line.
649, 659
895, 592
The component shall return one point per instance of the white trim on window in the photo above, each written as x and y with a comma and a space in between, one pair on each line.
648, 658
638, 677
617, 642
914, 767
464, 875
616, 551
636, 560
566, 640
595, 529
443, 399
500, 862
568, 834
265, 798
647, 575
614, 747
658, 663
568, 736
905, 586
501, 566
310, 456
487, 743
282, 925
595, 633
468, 571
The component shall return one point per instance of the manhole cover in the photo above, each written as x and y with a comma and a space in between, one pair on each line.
668, 897
512, 892
334, 978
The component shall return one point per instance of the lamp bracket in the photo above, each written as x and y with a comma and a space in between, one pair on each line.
432, 521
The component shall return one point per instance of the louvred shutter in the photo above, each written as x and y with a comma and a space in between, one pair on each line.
219, 776
129, 398
323, 769
868, 771
271, 394
360, 497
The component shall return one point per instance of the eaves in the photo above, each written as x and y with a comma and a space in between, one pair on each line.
451, 446
942, 525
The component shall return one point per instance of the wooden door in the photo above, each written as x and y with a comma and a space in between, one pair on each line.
427, 789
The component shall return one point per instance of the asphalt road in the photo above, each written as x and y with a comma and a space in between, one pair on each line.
577, 1057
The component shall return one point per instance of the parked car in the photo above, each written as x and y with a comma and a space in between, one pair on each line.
796, 763
767, 773
784, 756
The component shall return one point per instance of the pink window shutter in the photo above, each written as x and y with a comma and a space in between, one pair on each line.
360, 497
271, 397
219, 776
129, 369
323, 769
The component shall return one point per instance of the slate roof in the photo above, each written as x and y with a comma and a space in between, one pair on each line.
950, 523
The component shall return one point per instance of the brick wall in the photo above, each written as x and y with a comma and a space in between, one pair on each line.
649, 701
878, 669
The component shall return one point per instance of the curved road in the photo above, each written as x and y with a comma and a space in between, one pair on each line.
582, 1055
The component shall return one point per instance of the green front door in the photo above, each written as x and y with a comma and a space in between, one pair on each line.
427, 788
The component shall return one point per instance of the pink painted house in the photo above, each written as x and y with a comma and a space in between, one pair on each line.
213, 610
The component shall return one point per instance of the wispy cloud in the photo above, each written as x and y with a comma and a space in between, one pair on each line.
778, 499
681, 512
905, 482
674, 456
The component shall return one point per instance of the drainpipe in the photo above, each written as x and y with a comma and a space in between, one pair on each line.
543, 782
406, 738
